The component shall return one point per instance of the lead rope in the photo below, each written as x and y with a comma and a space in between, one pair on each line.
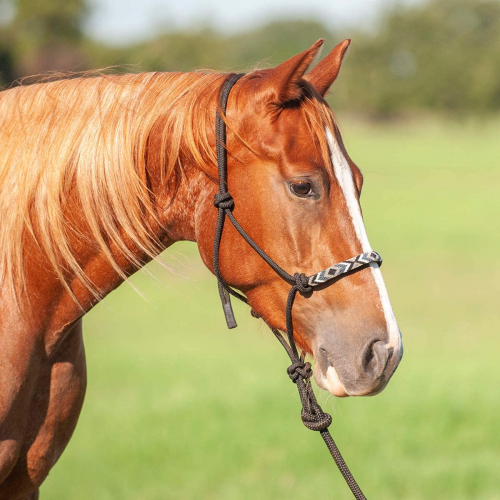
313, 417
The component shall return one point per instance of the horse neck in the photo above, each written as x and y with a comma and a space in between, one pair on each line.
181, 196
179, 201
51, 314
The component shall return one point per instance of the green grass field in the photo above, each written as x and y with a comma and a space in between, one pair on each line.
179, 407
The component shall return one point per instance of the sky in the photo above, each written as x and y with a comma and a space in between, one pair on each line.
125, 21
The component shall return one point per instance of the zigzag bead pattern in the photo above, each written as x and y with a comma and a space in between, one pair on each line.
344, 267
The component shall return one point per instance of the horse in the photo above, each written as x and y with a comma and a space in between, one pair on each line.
100, 173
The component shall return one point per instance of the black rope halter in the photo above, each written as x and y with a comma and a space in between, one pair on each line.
299, 371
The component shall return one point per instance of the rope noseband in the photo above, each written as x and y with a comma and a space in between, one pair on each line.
299, 371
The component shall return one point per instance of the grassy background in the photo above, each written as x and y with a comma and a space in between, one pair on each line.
179, 407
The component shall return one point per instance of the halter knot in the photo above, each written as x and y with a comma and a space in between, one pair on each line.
224, 200
316, 419
301, 282
299, 369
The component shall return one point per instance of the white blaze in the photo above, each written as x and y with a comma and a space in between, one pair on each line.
345, 179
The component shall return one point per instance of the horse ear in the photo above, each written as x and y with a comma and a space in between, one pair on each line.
285, 78
325, 72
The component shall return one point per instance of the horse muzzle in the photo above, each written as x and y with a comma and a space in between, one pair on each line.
365, 375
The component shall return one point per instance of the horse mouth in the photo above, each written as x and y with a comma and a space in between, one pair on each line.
330, 381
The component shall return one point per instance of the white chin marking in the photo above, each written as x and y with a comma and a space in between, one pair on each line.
344, 176
332, 383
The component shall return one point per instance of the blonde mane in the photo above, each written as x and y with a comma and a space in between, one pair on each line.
87, 138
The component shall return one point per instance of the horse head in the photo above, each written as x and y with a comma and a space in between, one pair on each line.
296, 193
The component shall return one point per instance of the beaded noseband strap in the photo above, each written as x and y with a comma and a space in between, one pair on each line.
299, 371
344, 267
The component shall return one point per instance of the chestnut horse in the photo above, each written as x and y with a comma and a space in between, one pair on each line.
99, 174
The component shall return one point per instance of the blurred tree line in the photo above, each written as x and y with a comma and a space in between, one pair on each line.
439, 56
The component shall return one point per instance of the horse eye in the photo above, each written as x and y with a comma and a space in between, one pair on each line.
301, 188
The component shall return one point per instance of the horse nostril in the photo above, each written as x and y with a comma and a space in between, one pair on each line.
375, 358
368, 357
323, 358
